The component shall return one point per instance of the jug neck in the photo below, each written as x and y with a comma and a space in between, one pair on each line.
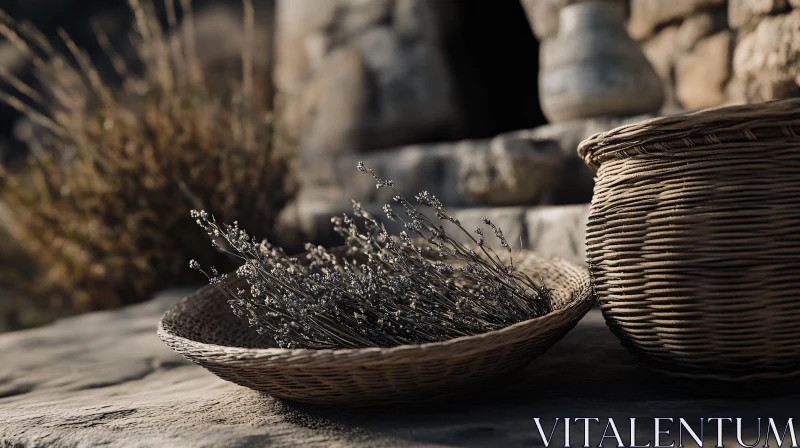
592, 14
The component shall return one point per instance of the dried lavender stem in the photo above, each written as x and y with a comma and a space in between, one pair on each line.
382, 290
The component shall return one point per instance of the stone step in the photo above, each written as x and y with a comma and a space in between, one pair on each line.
551, 230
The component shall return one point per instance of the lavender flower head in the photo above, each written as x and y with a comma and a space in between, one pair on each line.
379, 290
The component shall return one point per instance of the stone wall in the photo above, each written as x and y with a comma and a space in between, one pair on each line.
689, 44
356, 76
708, 52
715, 52
362, 75
766, 61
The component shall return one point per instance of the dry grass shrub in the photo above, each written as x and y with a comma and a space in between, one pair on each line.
103, 207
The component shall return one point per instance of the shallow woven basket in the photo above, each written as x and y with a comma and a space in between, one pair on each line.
203, 329
693, 240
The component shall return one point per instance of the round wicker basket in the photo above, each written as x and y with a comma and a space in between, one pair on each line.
204, 330
693, 240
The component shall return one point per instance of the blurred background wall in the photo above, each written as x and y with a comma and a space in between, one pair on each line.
450, 96
361, 75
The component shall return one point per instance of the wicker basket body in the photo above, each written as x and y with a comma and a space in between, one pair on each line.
204, 330
693, 240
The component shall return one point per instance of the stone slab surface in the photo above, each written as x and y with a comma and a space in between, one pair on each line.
105, 379
441, 168
558, 231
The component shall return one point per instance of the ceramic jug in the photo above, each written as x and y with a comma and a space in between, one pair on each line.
593, 67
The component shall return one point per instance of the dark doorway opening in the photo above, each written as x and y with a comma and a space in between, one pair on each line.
499, 57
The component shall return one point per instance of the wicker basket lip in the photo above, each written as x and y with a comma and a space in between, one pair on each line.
580, 297
771, 120
245, 355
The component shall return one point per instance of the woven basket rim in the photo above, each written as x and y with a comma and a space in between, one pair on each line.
716, 126
243, 354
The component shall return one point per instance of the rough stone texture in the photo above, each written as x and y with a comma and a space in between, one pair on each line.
766, 62
432, 167
702, 73
747, 13
435, 168
531, 167
577, 181
105, 379
511, 221
694, 67
558, 231
359, 75
553, 230
514, 171
690, 46
647, 15
698, 26
735, 92
661, 50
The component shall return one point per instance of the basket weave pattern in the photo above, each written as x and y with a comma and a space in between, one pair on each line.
693, 240
204, 330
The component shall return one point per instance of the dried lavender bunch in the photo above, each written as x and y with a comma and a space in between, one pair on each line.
383, 290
